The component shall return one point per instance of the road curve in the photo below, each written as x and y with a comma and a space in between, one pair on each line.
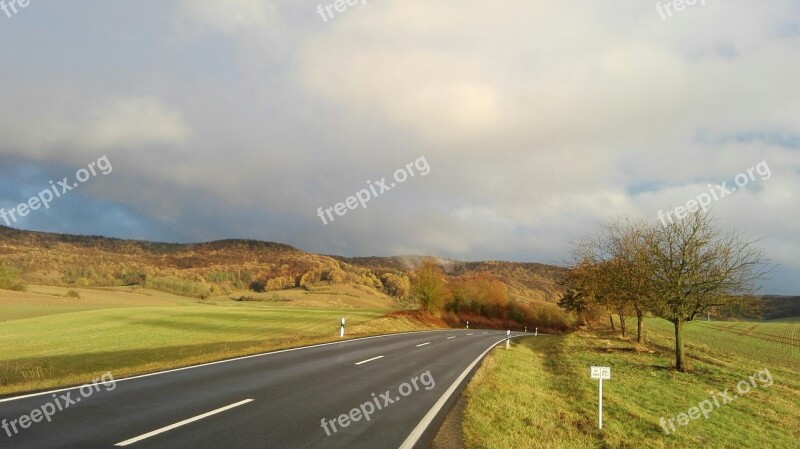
404, 384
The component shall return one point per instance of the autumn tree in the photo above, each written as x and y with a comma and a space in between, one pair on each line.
429, 286
575, 300
593, 278
616, 269
626, 245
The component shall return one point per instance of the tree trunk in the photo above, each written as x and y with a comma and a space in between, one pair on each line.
639, 325
611, 317
622, 324
680, 364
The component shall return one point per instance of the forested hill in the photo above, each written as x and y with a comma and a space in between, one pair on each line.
215, 268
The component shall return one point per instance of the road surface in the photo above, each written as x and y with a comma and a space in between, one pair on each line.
379, 392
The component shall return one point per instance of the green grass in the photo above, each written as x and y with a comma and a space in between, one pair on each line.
68, 348
49, 340
44, 300
539, 394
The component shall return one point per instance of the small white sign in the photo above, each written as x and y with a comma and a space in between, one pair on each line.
601, 372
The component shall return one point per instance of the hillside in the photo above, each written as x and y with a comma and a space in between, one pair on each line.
204, 270
781, 307
527, 282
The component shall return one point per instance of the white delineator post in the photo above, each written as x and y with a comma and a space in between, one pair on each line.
467, 324
341, 330
537, 332
508, 338
600, 373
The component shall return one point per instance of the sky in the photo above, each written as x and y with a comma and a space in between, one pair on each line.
526, 123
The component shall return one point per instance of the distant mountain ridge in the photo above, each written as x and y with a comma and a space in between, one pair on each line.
218, 267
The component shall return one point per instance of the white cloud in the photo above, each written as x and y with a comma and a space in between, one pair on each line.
135, 123
232, 16
63, 131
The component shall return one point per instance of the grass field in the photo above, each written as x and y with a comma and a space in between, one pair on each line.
49, 340
539, 394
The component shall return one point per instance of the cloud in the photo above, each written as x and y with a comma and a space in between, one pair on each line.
132, 123
539, 119
232, 16
135, 122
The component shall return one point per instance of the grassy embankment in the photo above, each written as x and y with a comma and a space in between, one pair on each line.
49, 340
539, 394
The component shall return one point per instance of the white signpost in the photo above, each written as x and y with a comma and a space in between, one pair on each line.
600, 373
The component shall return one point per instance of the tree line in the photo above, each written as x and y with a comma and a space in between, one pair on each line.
481, 299
677, 271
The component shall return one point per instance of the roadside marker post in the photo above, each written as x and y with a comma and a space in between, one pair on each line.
526, 329
341, 330
600, 373
508, 338
467, 324
537, 332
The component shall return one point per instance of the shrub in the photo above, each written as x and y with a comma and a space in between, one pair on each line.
258, 286
172, 284
9, 279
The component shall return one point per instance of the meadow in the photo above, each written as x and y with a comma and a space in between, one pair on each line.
51, 340
539, 394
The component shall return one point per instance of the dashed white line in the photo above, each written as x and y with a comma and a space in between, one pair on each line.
469, 334
236, 359
423, 344
369, 360
182, 423
416, 434
450, 337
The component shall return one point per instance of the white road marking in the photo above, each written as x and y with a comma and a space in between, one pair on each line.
423, 344
450, 338
416, 434
369, 360
469, 334
182, 423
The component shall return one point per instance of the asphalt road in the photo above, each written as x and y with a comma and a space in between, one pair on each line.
275, 400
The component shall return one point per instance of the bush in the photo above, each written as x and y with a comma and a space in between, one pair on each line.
258, 286
73, 294
172, 284
9, 279
273, 298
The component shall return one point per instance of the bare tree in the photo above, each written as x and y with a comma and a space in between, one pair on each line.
615, 270
625, 244
697, 266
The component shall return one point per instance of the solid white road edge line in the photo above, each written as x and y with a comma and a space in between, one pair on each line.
423, 344
416, 434
182, 423
42, 393
369, 360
